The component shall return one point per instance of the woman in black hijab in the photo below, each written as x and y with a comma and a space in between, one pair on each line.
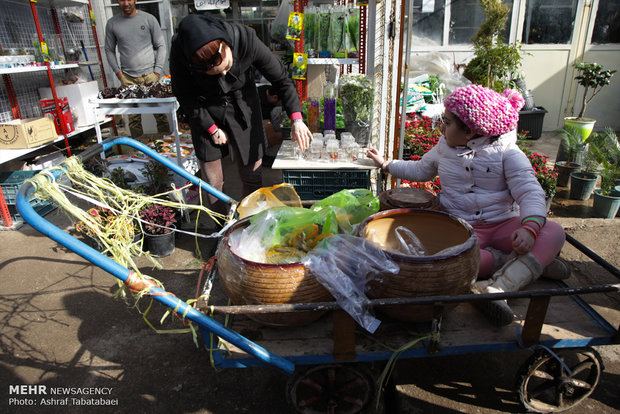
211, 68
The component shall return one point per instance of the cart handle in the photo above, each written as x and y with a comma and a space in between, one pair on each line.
110, 142
122, 273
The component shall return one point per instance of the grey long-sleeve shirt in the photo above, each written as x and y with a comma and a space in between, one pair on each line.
140, 44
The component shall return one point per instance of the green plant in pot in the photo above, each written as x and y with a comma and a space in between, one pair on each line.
592, 77
495, 64
570, 154
158, 225
582, 182
606, 148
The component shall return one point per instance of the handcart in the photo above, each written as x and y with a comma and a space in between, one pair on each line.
559, 327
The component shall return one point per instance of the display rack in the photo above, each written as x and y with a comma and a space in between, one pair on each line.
302, 85
114, 106
48, 67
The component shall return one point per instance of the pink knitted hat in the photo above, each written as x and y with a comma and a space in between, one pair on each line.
485, 111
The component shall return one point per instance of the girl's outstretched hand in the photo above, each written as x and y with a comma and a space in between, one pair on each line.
374, 155
522, 241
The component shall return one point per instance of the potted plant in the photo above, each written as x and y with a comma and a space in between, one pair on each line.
607, 198
570, 154
105, 230
158, 229
495, 64
592, 77
582, 182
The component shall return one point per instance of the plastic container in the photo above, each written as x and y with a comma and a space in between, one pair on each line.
318, 184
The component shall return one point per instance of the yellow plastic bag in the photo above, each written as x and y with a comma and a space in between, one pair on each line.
267, 197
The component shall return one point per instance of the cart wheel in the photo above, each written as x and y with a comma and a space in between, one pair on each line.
545, 385
337, 389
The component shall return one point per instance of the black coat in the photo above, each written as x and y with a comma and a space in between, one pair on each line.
231, 102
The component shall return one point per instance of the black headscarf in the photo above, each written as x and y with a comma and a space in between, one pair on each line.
196, 30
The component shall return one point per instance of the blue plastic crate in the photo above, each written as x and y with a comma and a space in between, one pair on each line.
11, 182
318, 184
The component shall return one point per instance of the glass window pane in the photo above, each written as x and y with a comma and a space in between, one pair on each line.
607, 24
427, 26
549, 21
466, 18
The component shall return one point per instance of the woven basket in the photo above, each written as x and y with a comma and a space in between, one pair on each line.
445, 274
405, 197
251, 283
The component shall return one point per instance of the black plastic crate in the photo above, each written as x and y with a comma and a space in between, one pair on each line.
11, 182
318, 184
532, 122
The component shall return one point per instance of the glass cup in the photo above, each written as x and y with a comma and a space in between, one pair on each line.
332, 148
353, 152
299, 154
316, 149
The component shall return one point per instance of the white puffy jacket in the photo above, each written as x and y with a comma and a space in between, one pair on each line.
487, 181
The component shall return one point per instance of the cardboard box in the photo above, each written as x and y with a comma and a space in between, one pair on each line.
27, 133
49, 109
78, 96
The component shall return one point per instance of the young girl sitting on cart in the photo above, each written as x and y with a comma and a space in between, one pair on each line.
489, 182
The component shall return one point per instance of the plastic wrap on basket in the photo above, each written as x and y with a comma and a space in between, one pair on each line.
343, 264
284, 234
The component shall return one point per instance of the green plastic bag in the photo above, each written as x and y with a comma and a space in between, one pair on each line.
357, 204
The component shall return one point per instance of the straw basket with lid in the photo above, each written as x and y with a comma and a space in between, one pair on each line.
252, 283
450, 273
405, 197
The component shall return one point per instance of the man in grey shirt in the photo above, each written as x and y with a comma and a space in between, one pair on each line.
142, 52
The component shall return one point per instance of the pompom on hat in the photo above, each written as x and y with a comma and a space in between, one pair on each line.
485, 111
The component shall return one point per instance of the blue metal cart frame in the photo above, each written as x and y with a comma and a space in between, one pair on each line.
258, 355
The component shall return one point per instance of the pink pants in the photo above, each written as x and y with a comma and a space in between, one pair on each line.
547, 246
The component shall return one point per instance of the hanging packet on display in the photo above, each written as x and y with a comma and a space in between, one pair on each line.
338, 33
310, 32
324, 18
295, 26
353, 25
300, 65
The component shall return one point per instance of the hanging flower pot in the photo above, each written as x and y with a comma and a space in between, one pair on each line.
581, 185
605, 206
564, 169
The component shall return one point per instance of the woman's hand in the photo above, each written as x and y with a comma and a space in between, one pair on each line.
219, 137
301, 134
374, 155
522, 240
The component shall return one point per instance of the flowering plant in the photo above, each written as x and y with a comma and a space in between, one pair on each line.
104, 222
158, 218
547, 177
422, 134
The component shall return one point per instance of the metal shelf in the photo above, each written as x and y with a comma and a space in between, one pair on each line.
12, 154
333, 61
54, 3
26, 69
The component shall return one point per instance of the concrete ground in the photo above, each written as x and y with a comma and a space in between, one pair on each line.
62, 328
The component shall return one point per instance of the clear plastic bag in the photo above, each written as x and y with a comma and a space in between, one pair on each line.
283, 234
279, 26
343, 264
